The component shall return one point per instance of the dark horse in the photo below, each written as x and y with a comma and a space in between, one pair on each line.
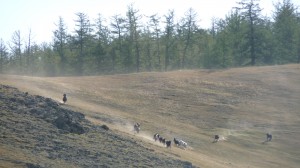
269, 137
217, 137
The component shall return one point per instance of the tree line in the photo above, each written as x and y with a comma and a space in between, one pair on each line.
138, 43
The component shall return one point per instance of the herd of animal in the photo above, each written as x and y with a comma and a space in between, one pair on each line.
158, 138
178, 142
167, 143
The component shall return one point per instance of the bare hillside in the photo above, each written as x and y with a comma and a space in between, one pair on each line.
240, 104
37, 132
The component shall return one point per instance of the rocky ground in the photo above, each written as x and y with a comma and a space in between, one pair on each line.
39, 132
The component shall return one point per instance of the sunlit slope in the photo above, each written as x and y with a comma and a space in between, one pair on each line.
240, 104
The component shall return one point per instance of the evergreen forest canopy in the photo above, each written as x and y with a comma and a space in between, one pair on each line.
125, 44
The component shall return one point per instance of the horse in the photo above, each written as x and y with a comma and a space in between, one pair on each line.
168, 144
180, 143
156, 137
217, 137
136, 127
269, 137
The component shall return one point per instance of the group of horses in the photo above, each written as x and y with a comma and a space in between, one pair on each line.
158, 138
167, 143
178, 142
162, 140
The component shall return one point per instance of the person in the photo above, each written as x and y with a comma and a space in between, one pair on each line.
65, 98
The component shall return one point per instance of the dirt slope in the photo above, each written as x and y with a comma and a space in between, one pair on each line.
37, 132
240, 104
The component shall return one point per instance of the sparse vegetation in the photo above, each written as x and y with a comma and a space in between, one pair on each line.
37, 132
240, 104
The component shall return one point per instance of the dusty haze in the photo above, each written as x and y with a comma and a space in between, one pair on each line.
240, 104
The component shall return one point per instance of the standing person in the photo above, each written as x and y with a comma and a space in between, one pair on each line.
64, 98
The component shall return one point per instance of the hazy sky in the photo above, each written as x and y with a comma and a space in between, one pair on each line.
41, 15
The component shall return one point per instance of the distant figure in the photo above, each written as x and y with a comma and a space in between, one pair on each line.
180, 143
156, 137
217, 137
269, 137
162, 140
176, 141
136, 127
168, 144
65, 98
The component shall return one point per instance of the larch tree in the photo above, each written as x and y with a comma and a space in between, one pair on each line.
189, 27
117, 25
250, 10
154, 25
236, 28
15, 47
168, 36
286, 28
134, 34
28, 52
222, 43
59, 44
3, 55
147, 47
101, 46
82, 30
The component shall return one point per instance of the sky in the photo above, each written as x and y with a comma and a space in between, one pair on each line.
40, 16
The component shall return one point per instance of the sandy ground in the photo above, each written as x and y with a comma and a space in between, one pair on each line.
240, 104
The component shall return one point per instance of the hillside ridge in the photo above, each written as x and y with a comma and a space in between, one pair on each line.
239, 104
39, 132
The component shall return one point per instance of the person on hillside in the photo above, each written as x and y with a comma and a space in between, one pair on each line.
64, 98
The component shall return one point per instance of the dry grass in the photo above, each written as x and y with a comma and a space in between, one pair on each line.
240, 104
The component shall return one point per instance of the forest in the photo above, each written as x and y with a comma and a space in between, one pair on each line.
134, 42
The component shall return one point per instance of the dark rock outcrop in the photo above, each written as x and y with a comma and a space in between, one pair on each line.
105, 127
44, 108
